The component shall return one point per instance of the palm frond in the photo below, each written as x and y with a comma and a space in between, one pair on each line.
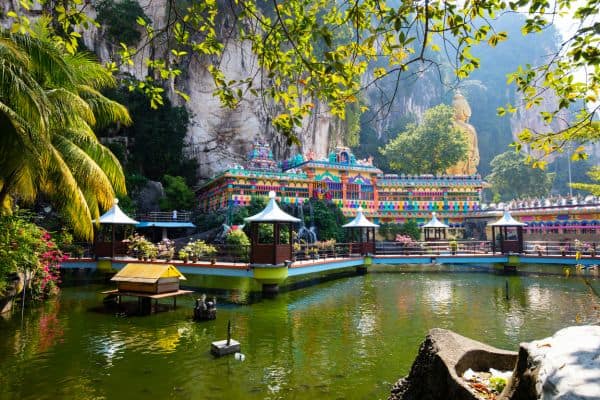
69, 107
87, 174
85, 70
62, 188
83, 137
107, 111
46, 60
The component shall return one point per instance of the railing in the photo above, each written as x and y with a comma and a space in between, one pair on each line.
166, 216
445, 247
561, 248
303, 252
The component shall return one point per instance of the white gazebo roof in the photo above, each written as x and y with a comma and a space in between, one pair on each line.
507, 220
435, 223
116, 216
360, 221
272, 213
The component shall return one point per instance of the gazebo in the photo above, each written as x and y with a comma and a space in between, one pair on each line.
366, 230
277, 252
434, 229
112, 217
508, 233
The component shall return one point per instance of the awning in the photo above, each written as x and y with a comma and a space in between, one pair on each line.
151, 224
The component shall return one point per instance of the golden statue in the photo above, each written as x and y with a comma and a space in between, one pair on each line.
462, 113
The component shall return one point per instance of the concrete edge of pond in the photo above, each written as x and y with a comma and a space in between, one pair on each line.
442, 359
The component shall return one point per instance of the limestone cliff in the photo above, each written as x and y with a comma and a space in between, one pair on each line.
218, 137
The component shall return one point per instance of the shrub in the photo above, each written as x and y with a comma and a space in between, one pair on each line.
238, 243
27, 248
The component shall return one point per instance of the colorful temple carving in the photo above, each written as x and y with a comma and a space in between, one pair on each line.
347, 182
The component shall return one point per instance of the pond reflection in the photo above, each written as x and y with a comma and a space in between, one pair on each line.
346, 338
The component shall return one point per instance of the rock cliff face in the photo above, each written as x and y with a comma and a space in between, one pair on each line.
219, 137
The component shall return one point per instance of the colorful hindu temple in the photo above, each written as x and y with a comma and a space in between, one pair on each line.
349, 183
557, 218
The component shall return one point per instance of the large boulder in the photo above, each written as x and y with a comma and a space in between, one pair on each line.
443, 358
149, 197
565, 366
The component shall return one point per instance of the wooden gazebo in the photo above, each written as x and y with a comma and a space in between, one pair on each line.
275, 252
507, 234
435, 229
366, 234
113, 218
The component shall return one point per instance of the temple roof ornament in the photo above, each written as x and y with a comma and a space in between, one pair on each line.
260, 157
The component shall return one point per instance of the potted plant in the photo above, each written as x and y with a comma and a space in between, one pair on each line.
296, 247
166, 249
538, 249
151, 251
563, 250
211, 252
453, 246
182, 255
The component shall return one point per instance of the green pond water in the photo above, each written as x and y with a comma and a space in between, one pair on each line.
350, 338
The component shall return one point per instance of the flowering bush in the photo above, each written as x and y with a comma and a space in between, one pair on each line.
141, 247
405, 240
197, 249
166, 249
28, 250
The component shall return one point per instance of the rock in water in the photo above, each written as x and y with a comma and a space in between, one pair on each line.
565, 366
444, 356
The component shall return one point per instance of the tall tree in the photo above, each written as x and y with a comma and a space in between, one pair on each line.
178, 195
49, 105
512, 179
429, 147
593, 188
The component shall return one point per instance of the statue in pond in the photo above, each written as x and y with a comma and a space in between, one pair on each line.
205, 310
462, 113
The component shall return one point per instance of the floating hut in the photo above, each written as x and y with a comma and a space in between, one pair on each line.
148, 278
148, 282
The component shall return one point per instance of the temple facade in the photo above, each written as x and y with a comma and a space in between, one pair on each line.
347, 182
558, 218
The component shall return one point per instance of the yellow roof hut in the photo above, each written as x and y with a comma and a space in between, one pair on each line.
148, 278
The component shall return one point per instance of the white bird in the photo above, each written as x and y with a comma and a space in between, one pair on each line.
239, 356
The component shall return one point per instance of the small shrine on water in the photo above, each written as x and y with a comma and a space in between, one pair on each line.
348, 182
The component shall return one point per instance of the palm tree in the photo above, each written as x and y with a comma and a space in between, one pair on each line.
49, 104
